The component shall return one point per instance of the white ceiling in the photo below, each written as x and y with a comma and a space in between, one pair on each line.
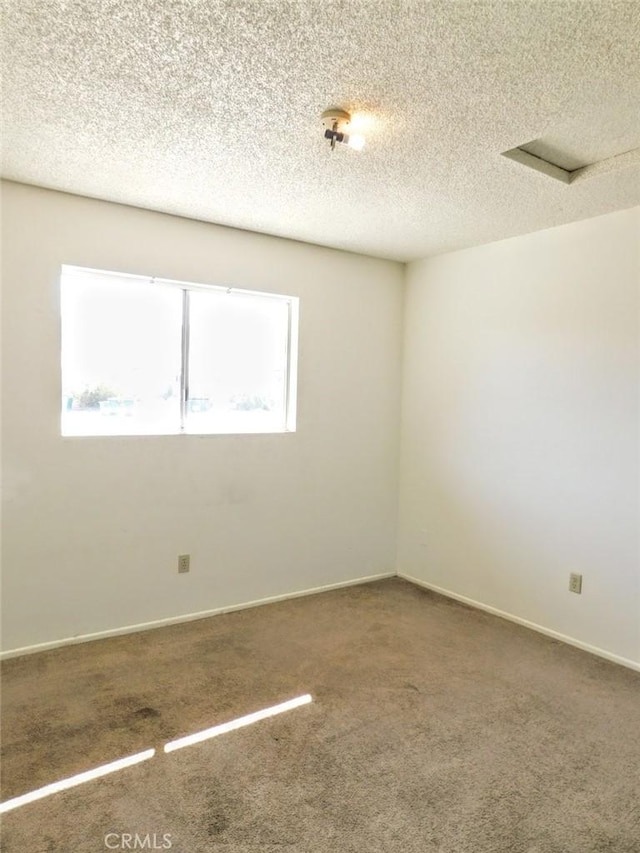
211, 110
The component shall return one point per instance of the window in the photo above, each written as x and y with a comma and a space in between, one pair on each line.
155, 357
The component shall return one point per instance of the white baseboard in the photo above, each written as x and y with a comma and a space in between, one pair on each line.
187, 617
204, 614
631, 664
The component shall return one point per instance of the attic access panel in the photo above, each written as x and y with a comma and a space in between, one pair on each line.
566, 165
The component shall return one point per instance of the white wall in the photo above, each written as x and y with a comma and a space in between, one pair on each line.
520, 442
93, 526
520, 455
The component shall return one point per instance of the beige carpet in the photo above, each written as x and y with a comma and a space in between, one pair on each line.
433, 727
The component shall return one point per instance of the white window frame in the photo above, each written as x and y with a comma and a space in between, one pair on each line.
291, 345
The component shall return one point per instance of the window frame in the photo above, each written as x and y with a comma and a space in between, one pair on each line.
289, 407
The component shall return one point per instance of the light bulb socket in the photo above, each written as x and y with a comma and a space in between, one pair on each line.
335, 122
334, 134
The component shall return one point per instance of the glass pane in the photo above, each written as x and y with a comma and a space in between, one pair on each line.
121, 350
237, 363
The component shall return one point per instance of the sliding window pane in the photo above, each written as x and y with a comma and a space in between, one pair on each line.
237, 362
121, 355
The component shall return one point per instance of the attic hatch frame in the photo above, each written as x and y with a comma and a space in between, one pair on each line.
568, 176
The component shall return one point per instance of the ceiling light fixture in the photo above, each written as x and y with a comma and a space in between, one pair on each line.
336, 122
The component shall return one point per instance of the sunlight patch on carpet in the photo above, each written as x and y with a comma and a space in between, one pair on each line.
238, 723
78, 779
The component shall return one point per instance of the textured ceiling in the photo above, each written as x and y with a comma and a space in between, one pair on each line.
211, 110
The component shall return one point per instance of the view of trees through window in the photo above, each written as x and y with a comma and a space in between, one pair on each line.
144, 357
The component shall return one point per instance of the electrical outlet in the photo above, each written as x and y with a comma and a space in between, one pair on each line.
183, 563
575, 583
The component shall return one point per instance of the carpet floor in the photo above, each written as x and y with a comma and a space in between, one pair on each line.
433, 727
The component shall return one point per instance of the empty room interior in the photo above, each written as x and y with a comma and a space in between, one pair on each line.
321, 426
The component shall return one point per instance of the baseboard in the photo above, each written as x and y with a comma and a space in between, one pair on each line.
594, 650
188, 617
204, 614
